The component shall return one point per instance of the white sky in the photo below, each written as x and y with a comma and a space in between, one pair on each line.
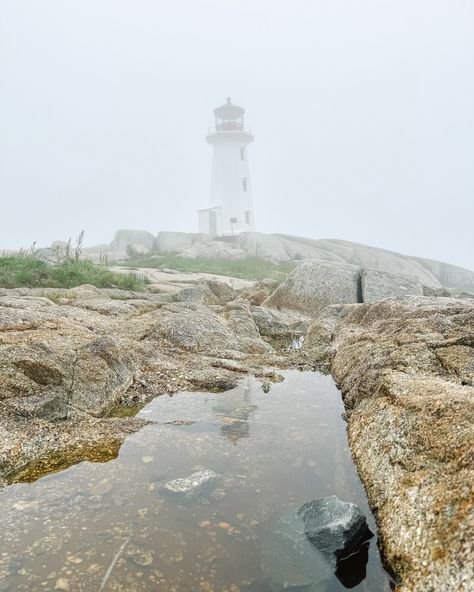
363, 114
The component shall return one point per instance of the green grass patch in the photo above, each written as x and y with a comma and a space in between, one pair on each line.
250, 269
25, 271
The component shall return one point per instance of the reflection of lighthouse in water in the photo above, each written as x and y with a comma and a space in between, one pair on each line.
231, 209
235, 408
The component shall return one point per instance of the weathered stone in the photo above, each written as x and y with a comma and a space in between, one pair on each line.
405, 370
438, 292
281, 247
139, 241
76, 354
172, 242
336, 528
191, 486
314, 285
377, 285
222, 291
200, 294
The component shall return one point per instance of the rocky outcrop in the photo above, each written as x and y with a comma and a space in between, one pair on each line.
283, 247
173, 242
313, 285
406, 371
71, 356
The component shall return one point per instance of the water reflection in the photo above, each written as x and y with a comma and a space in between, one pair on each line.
272, 451
235, 408
352, 570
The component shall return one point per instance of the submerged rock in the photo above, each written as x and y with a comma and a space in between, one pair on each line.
191, 486
304, 548
288, 560
335, 527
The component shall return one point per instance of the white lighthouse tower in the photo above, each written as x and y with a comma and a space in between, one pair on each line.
231, 210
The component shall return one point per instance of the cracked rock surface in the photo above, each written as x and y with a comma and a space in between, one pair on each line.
68, 358
406, 371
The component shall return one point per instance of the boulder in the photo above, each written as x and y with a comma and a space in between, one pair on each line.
139, 241
437, 292
213, 249
275, 324
195, 328
200, 294
258, 293
222, 291
336, 528
377, 285
314, 285
283, 247
304, 549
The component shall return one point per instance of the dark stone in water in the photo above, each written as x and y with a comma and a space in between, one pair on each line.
308, 548
289, 561
335, 527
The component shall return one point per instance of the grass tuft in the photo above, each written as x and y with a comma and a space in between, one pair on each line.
25, 271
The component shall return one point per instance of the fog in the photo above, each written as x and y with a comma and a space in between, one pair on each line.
362, 113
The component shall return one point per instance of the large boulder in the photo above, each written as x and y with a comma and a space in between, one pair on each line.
139, 241
277, 325
200, 294
377, 285
314, 285
195, 328
283, 247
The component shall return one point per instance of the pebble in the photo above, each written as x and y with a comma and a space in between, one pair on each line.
62, 584
101, 488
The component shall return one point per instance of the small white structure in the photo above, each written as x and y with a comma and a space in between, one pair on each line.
231, 210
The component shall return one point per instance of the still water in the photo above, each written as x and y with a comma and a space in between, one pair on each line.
112, 526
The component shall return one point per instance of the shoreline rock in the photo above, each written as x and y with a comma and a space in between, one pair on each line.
69, 357
405, 368
406, 371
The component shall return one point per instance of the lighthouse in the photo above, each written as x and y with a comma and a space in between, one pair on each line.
231, 209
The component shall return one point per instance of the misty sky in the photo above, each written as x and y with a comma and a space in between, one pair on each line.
363, 114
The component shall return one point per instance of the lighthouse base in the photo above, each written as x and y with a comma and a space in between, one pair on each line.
216, 222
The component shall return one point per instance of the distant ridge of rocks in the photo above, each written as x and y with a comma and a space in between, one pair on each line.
277, 248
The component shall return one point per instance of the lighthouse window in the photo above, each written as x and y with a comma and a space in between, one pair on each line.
247, 217
244, 184
242, 154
